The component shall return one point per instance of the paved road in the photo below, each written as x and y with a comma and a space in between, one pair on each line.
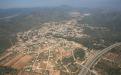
9, 17
93, 60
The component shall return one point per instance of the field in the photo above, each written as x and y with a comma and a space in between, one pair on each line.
22, 62
17, 62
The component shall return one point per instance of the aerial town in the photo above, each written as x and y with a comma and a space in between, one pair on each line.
50, 50
47, 51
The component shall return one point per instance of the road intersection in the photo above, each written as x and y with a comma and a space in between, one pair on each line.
93, 60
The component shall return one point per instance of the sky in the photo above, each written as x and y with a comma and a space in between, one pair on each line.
48, 3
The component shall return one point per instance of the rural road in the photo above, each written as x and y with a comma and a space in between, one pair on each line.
9, 17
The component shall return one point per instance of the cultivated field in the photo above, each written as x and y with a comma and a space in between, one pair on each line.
22, 62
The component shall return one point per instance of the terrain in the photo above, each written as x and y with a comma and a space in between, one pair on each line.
60, 41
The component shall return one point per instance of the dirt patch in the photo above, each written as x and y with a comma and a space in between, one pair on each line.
22, 62
14, 60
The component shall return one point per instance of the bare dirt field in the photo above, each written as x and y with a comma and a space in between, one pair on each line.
22, 62
13, 61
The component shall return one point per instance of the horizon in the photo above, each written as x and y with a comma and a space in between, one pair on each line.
6, 4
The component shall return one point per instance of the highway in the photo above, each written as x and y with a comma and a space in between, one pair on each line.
92, 60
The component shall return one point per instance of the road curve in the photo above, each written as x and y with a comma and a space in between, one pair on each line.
92, 60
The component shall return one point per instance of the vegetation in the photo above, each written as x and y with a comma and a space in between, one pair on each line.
109, 68
67, 60
79, 54
8, 70
103, 18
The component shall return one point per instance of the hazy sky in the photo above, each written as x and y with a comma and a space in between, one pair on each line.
40, 3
